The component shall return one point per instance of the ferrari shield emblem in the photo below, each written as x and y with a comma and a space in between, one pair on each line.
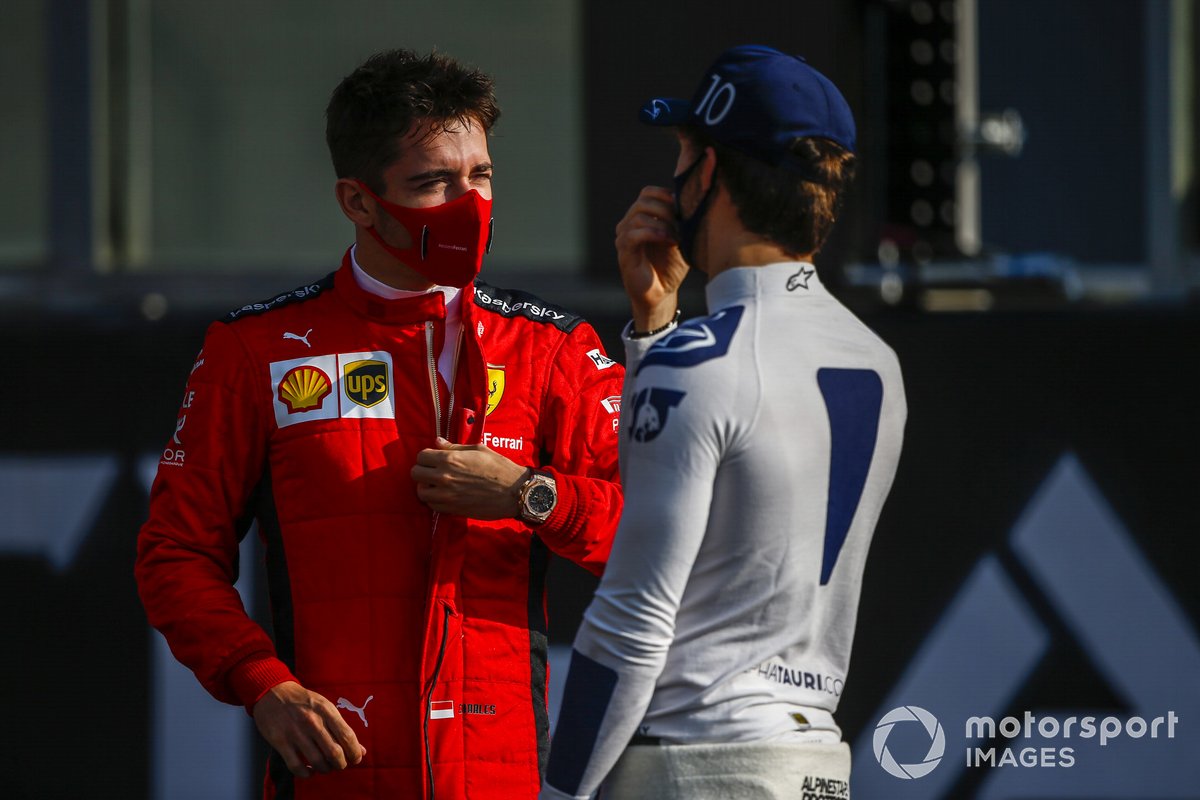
495, 387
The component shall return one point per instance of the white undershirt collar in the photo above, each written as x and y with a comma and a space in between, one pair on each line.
453, 299
380, 289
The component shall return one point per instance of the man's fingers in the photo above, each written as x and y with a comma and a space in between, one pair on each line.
317, 754
645, 221
424, 474
653, 200
433, 497
659, 216
296, 764
433, 474
644, 237
333, 758
431, 458
661, 208
343, 736
444, 453
306, 730
657, 193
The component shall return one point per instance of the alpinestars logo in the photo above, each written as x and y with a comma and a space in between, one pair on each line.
800, 279
937, 742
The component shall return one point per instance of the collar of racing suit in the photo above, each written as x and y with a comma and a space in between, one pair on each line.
795, 279
399, 311
463, 422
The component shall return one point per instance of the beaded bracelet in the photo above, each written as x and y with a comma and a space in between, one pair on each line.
644, 334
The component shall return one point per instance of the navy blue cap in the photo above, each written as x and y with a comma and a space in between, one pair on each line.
758, 100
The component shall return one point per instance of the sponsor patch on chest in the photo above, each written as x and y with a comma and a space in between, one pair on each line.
495, 387
513, 443
349, 385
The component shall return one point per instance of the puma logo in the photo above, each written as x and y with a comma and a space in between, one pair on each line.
347, 705
298, 337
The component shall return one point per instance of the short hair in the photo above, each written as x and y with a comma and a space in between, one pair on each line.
795, 208
379, 103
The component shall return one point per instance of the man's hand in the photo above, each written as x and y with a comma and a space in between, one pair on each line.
469, 480
652, 267
307, 730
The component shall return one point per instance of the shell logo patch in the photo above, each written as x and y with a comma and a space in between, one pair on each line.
495, 387
366, 382
304, 389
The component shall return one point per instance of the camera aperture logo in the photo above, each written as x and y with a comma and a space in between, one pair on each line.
937, 742
1024, 730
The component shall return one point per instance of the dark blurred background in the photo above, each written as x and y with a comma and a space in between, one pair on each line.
1023, 232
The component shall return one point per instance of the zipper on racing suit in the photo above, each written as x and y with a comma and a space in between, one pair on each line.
431, 360
439, 429
437, 410
437, 669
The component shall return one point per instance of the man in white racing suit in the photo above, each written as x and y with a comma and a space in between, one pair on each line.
758, 445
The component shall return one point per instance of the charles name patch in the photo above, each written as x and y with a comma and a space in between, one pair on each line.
695, 341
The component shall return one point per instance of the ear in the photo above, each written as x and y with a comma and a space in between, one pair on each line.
358, 206
708, 169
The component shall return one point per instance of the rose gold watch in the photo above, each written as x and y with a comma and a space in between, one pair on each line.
539, 495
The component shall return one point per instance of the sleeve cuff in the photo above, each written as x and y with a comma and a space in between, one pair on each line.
636, 348
255, 676
567, 517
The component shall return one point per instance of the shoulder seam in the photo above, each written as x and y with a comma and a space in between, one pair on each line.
514, 303
298, 295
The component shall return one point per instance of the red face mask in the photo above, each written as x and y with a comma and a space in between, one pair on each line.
449, 241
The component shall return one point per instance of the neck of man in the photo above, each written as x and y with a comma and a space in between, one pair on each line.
725, 242
385, 267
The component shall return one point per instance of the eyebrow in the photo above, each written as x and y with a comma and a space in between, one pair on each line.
434, 174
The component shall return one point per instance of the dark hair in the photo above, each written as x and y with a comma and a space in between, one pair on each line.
795, 208
381, 101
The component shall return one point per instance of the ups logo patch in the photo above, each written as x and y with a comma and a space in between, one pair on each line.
366, 382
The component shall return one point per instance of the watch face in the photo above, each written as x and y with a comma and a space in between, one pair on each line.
540, 499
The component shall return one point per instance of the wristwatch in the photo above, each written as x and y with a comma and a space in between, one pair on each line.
539, 495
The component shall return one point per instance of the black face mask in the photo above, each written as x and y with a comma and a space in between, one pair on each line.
690, 226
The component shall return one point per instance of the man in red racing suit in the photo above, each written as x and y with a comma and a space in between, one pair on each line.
418, 634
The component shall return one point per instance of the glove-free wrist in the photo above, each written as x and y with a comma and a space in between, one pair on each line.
644, 334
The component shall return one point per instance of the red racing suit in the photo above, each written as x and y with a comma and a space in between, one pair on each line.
306, 412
